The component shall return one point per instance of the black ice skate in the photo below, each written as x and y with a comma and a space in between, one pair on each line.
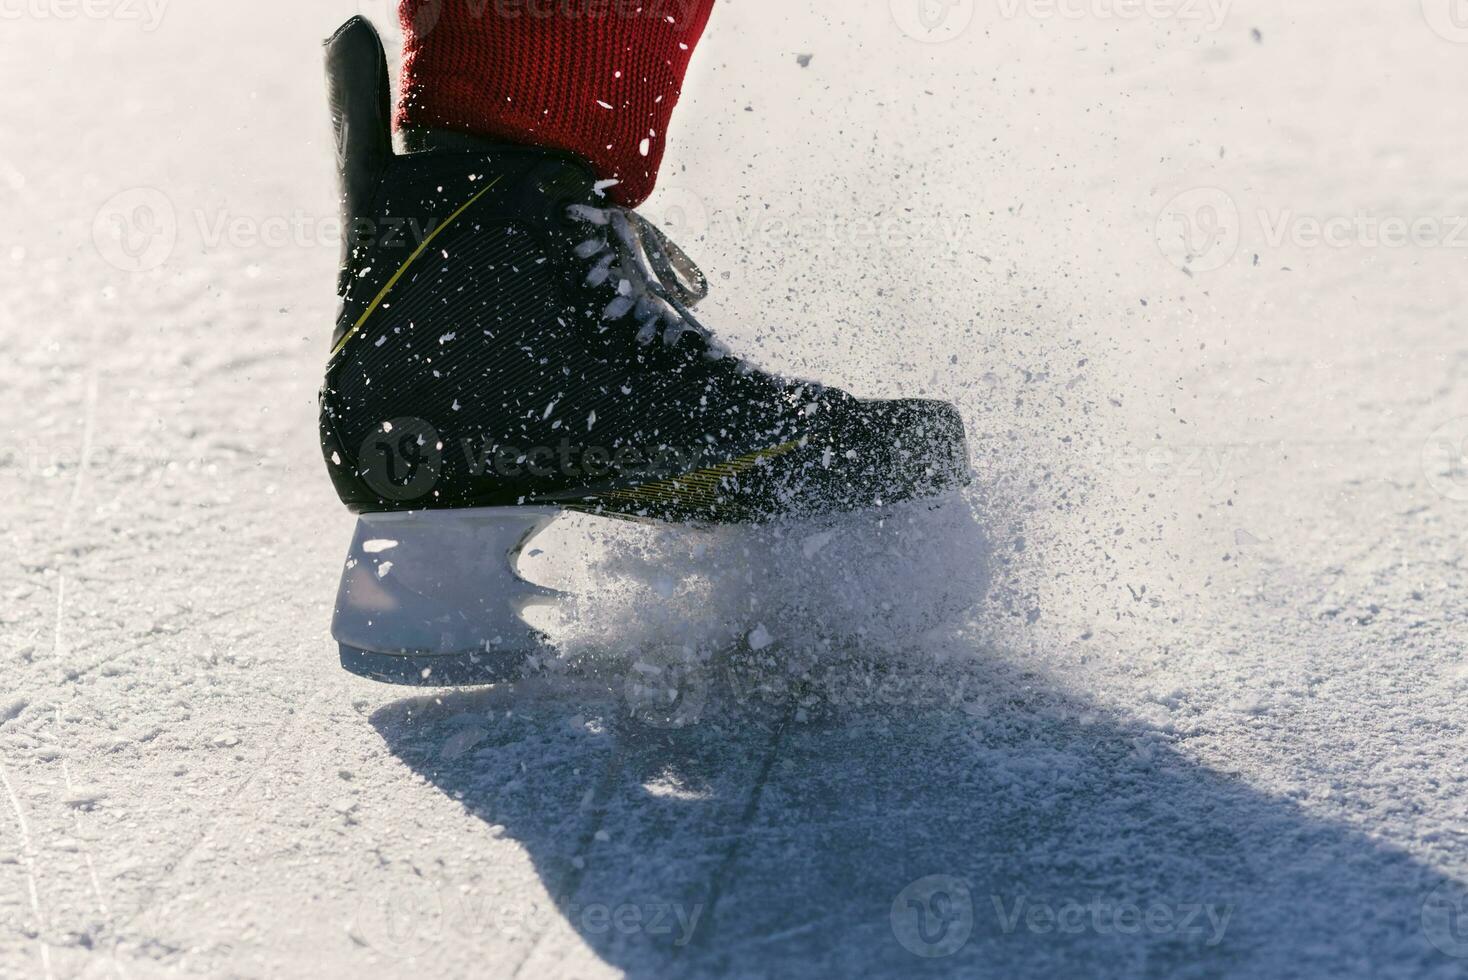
510, 346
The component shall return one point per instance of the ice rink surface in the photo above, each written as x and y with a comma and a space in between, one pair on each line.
1196, 277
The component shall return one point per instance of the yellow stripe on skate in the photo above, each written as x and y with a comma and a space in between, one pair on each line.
382, 295
699, 486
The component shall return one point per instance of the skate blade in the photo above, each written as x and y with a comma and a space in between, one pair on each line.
435, 598
437, 670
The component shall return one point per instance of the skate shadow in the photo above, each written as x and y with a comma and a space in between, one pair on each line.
987, 825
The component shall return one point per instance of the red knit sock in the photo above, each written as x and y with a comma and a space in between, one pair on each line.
596, 77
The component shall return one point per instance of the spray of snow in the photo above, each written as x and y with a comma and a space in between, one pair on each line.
868, 586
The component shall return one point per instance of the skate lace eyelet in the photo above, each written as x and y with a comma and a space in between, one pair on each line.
560, 212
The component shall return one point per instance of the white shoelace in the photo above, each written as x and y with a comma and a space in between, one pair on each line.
657, 283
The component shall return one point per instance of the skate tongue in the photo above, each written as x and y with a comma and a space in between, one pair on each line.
357, 79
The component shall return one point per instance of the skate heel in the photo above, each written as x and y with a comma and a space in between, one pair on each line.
433, 598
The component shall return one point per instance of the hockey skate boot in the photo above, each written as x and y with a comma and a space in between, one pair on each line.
512, 346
